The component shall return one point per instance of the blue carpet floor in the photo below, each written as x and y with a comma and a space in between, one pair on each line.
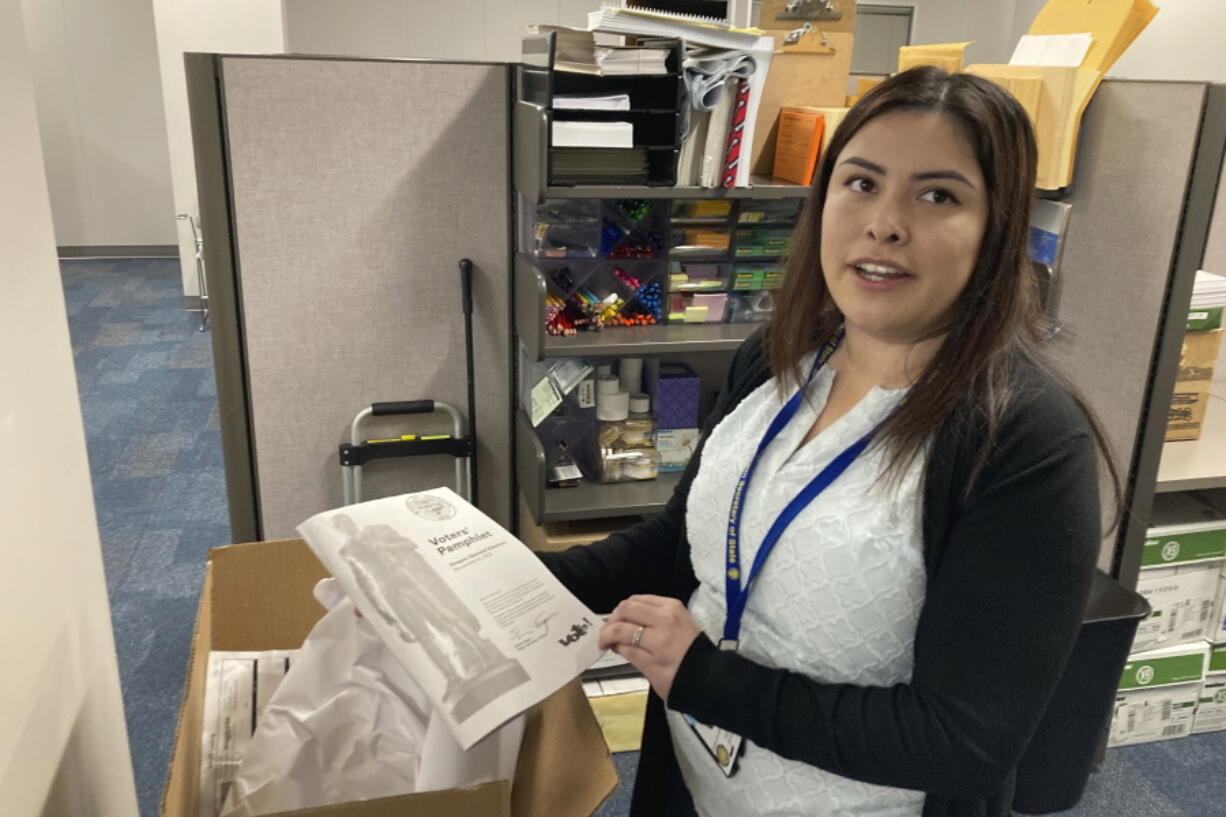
149, 402
145, 375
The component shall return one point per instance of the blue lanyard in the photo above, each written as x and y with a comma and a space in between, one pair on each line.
736, 592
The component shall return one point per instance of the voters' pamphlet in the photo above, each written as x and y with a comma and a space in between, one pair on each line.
474, 616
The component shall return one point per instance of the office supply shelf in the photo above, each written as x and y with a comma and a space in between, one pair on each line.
586, 500
531, 165
665, 339
1191, 465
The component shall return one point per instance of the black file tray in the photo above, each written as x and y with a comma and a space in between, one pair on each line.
655, 113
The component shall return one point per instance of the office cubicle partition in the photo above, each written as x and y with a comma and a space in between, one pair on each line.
337, 197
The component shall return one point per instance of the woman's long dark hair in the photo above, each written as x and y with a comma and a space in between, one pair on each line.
997, 323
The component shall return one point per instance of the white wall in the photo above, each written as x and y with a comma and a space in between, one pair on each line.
63, 746
491, 29
99, 106
221, 26
456, 30
986, 23
1185, 41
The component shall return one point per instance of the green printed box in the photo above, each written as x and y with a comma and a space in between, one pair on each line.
747, 279
1158, 693
1211, 708
772, 279
1180, 572
1216, 631
1165, 548
1204, 318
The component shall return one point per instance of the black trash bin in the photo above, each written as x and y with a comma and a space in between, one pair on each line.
1056, 765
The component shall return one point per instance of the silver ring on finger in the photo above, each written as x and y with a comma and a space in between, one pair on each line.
637, 638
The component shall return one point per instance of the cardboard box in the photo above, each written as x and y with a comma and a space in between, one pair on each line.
1216, 631
1211, 708
1180, 570
676, 447
1182, 599
1187, 413
258, 597
1157, 694
1197, 358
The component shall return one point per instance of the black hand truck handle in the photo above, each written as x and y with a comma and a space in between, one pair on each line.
402, 407
466, 282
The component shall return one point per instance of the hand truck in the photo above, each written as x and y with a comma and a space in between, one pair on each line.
463, 447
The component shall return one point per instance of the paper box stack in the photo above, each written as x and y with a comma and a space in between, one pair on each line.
1182, 569
1158, 694
1211, 708
1197, 357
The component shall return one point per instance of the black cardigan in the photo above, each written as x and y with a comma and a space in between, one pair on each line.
1008, 573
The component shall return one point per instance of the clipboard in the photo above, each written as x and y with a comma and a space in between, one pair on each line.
805, 40
810, 72
828, 15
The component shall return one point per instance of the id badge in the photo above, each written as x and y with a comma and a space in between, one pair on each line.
723, 746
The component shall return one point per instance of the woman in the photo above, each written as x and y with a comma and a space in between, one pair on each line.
894, 517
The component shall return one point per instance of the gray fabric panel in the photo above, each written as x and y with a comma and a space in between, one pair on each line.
358, 185
1215, 247
1127, 199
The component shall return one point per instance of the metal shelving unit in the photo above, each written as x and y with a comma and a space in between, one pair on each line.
532, 162
1194, 465
531, 122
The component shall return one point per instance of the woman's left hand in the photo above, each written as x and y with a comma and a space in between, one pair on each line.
668, 630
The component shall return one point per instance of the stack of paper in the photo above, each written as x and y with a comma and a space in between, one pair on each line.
620, 60
599, 166
575, 51
1209, 289
591, 102
593, 134
692, 28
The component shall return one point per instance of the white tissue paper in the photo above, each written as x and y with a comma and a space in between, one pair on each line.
348, 723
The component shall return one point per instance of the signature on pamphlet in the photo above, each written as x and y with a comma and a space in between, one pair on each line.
525, 635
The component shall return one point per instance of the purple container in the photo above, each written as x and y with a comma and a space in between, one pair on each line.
676, 395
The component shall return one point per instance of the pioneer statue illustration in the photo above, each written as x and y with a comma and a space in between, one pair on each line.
408, 594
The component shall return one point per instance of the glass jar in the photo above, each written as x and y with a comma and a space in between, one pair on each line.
612, 410
640, 458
